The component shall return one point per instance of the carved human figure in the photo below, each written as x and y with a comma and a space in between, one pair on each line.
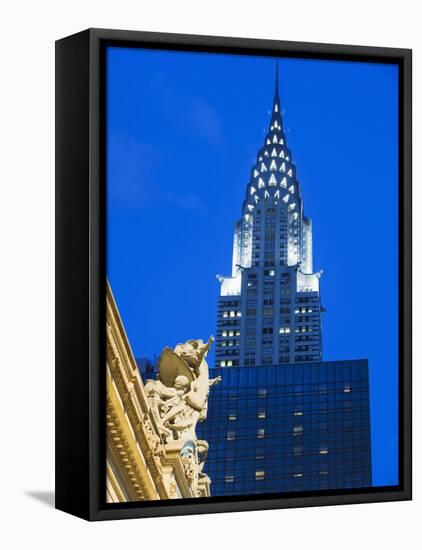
179, 395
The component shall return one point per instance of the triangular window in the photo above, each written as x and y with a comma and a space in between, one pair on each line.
283, 183
273, 165
272, 181
263, 167
290, 173
283, 167
286, 198
277, 194
273, 153
292, 189
255, 173
282, 154
253, 190
275, 139
261, 183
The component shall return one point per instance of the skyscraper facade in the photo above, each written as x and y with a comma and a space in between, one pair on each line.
281, 420
269, 309
286, 428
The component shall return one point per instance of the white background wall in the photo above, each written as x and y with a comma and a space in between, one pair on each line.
27, 36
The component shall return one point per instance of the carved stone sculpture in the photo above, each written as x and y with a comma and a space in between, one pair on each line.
179, 399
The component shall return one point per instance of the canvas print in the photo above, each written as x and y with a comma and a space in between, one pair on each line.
252, 275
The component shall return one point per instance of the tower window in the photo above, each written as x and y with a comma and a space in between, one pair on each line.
231, 435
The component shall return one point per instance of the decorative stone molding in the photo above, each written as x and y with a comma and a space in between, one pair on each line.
143, 462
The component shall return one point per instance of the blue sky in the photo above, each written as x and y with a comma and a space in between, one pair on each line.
183, 130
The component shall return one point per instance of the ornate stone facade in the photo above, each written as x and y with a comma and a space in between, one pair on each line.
152, 449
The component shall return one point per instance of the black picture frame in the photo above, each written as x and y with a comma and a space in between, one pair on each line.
81, 279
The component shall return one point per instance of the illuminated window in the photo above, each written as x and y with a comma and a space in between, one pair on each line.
323, 451
273, 153
283, 183
232, 417
262, 414
297, 430
260, 433
224, 333
282, 154
231, 435
347, 389
229, 363
272, 180
263, 167
229, 479
283, 167
222, 363
273, 165
284, 330
225, 313
297, 450
298, 413
323, 472
286, 198
289, 173
253, 190
262, 392
276, 108
261, 183
255, 173
292, 189
275, 139
260, 475
298, 474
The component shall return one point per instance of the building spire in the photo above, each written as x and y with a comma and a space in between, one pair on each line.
276, 95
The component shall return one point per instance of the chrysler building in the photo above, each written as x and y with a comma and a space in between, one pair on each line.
269, 309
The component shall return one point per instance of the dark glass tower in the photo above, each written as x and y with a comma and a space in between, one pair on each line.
282, 428
269, 309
